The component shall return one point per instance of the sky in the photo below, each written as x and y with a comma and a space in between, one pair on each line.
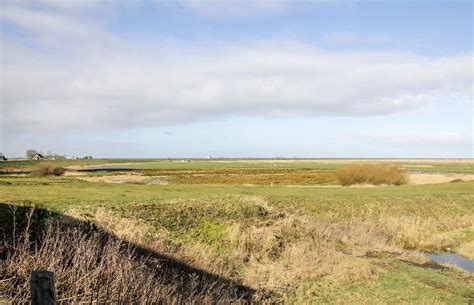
268, 78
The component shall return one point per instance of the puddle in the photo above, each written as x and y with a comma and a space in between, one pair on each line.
106, 169
14, 172
452, 259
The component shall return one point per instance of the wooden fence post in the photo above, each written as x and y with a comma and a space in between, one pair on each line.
42, 288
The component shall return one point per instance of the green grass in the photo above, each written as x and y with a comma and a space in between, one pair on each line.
467, 168
396, 283
199, 214
61, 193
426, 165
160, 205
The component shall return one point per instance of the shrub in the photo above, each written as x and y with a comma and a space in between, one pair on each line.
48, 170
375, 174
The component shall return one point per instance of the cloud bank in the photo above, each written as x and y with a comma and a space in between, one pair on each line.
66, 71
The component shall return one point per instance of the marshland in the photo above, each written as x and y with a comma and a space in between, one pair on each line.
239, 230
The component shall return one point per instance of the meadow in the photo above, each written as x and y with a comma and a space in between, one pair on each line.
285, 229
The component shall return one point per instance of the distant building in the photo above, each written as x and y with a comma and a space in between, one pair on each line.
38, 157
3, 158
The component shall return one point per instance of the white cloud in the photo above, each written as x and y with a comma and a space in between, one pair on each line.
429, 144
42, 21
236, 8
49, 29
76, 75
425, 138
343, 38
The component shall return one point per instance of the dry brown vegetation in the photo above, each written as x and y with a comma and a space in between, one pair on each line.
266, 249
246, 176
432, 178
128, 178
92, 266
272, 242
246, 240
375, 174
47, 170
224, 176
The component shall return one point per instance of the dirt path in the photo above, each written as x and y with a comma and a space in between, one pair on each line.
432, 178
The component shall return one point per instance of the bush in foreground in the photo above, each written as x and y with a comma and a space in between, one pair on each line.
371, 174
48, 170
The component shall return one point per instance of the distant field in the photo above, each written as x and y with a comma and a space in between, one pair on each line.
428, 165
278, 225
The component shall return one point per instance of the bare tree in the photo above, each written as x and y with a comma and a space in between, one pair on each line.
30, 153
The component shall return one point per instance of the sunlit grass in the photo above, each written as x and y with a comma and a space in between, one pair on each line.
324, 244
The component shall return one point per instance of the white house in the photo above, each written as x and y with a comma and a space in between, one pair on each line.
38, 157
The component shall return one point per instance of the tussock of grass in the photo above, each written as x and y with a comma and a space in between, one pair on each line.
371, 174
47, 170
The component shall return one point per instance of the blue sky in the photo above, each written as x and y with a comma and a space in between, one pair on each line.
249, 78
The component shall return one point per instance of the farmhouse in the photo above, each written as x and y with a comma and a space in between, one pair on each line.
38, 157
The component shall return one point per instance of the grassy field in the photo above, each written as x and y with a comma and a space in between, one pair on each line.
279, 225
423, 165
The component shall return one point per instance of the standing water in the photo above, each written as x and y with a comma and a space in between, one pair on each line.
452, 259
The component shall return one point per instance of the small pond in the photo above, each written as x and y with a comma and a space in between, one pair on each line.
452, 259
106, 169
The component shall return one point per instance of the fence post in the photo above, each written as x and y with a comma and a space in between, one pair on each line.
42, 288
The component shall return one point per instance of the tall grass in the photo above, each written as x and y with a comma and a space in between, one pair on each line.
261, 246
375, 174
90, 266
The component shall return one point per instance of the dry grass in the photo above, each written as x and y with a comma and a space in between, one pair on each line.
275, 246
260, 246
94, 267
467, 250
292, 249
374, 174
246, 176
274, 251
427, 233
131, 178
47, 170
266, 248
438, 178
